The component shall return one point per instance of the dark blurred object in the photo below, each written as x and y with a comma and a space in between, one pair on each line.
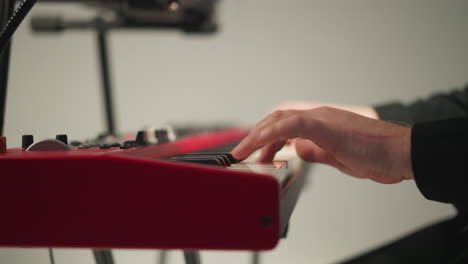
6, 9
191, 16
13, 23
9, 23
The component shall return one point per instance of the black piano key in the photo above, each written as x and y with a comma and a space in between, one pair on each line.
220, 159
225, 154
224, 158
206, 161
219, 155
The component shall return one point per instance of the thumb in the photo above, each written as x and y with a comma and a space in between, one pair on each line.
309, 151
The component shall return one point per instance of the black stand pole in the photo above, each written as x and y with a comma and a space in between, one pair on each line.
255, 257
103, 50
163, 256
103, 257
6, 10
51, 256
192, 257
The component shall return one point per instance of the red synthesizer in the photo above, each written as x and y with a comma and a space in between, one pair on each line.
150, 192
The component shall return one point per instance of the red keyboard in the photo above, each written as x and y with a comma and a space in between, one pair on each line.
164, 196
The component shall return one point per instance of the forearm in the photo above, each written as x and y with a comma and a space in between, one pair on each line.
437, 107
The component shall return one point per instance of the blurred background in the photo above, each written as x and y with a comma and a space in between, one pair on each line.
267, 52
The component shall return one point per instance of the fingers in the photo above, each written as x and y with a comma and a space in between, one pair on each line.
269, 151
309, 151
277, 127
272, 118
244, 149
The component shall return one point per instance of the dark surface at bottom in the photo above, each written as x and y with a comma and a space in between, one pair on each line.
443, 242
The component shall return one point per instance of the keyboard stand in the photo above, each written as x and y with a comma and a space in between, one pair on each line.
103, 257
255, 257
192, 257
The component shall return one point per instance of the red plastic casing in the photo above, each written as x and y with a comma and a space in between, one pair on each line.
115, 198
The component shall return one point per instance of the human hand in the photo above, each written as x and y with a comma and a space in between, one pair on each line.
301, 105
358, 146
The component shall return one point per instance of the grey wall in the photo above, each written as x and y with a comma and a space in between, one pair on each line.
354, 52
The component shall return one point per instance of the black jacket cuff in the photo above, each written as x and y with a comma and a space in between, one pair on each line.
394, 112
439, 155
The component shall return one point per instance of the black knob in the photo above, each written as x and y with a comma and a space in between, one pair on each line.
75, 143
129, 144
140, 138
63, 138
161, 135
27, 141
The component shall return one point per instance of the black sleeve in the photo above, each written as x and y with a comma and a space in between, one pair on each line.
439, 155
437, 107
439, 144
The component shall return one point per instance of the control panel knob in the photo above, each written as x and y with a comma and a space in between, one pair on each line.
27, 141
48, 144
63, 138
162, 135
141, 137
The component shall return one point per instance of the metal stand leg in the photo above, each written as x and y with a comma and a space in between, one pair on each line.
192, 257
103, 257
163, 256
106, 77
255, 257
51, 256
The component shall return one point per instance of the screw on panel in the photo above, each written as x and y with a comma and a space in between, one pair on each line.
267, 221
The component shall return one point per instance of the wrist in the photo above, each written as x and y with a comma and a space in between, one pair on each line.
406, 146
366, 111
399, 153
